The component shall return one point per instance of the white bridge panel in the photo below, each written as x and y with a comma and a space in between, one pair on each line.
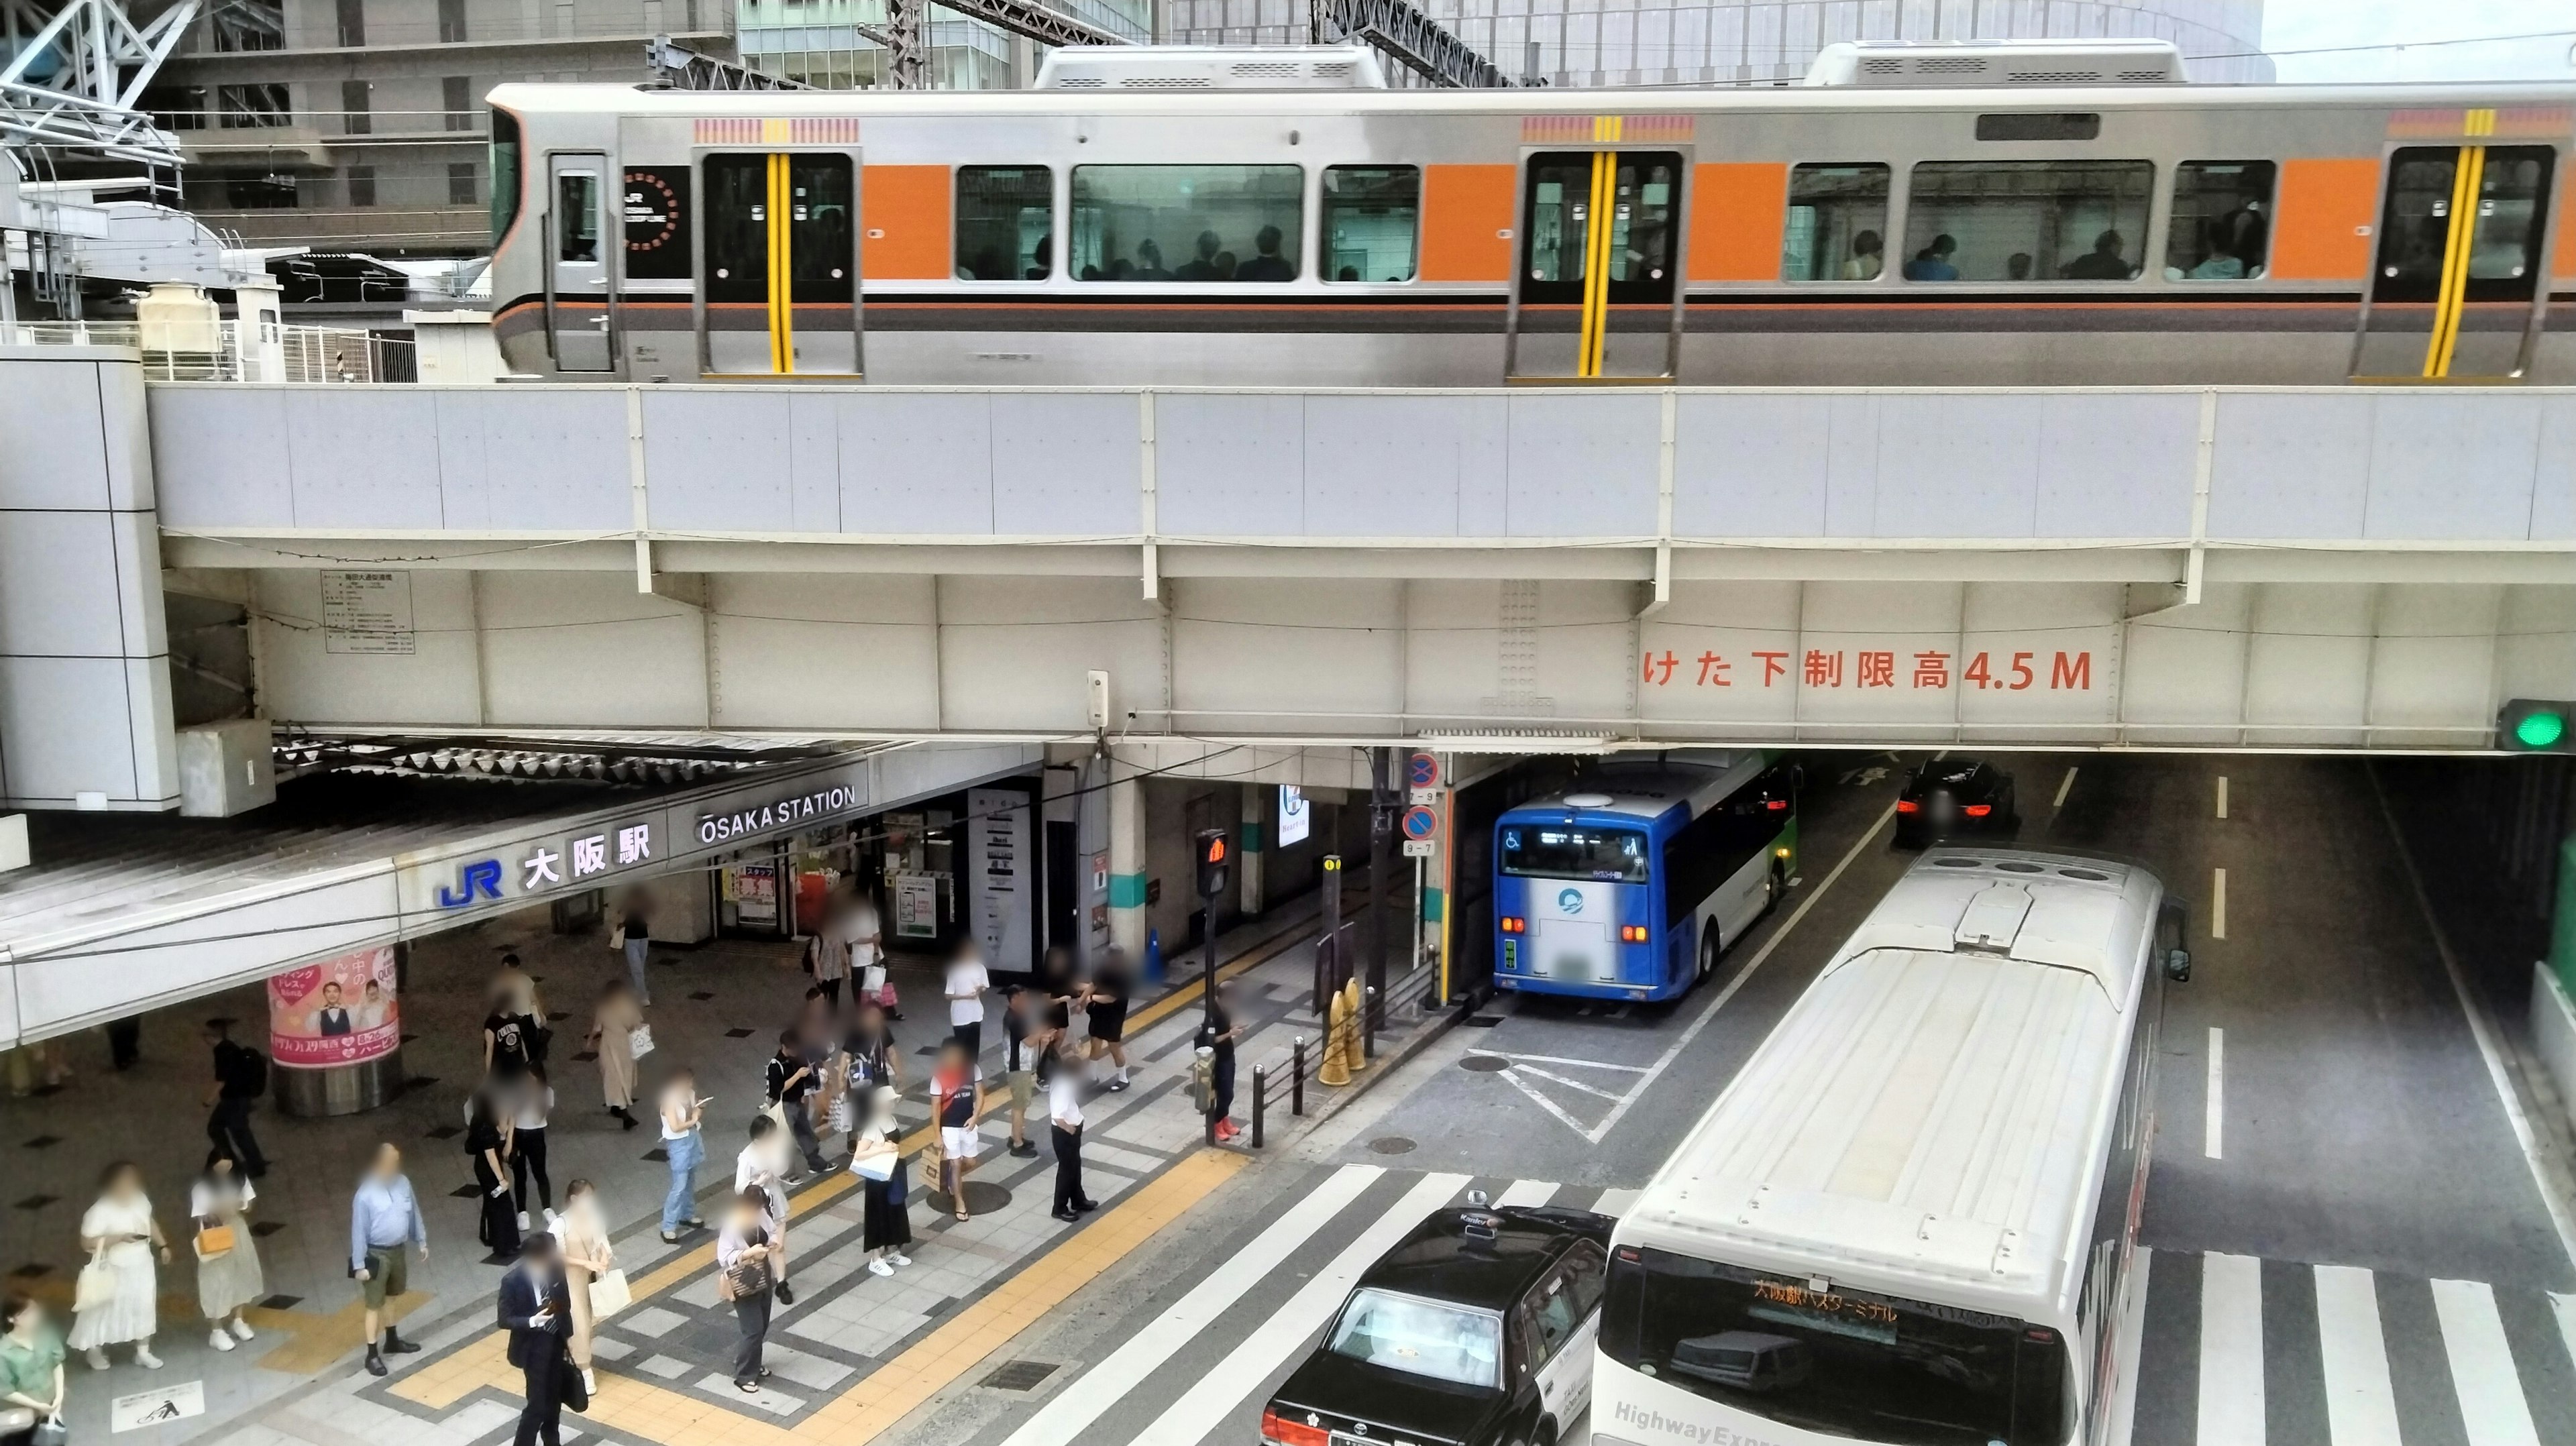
1583, 464
304, 673
585, 650
784, 650
1016, 653
1065, 464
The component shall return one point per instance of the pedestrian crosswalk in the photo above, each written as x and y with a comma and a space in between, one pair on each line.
1197, 1371
2240, 1351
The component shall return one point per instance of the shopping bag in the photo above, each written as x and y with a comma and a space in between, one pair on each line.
839, 1121
214, 1240
639, 1041
609, 1295
96, 1286
617, 938
878, 1166
872, 983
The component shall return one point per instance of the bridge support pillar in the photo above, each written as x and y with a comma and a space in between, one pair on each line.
1126, 860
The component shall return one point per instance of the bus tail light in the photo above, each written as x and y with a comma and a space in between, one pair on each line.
1632, 933
1907, 805
1977, 810
1515, 925
1284, 1432
1776, 805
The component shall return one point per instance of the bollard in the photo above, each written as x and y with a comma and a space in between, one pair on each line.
1336, 1069
1354, 1042
1260, 1093
1297, 1080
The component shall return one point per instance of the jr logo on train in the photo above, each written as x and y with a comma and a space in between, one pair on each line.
1633, 884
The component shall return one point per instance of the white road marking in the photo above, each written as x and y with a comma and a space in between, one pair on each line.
1615, 1202
1527, 1192
2133, 1334
2222, 795
1717, 1002
2564, 1307
2064, 786
1561, 1059
2361, 1405
1247, 1367
2492, 1409
1073, 1409
2231, 1350
2213, 1129
1553, 1077
2218, 903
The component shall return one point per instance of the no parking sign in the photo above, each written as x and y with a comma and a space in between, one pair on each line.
1421, 832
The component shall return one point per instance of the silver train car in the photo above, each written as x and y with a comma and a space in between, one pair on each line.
1309, 232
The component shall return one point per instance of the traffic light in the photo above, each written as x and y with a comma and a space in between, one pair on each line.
2536, 725
1215, 862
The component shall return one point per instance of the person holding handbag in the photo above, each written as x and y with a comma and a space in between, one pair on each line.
228, 1273
591, 1277
763, 1165
886, 1223
536, 1310
743, 1278
620, 1037
871, 1065
31, 1375
867, 953
119, 1292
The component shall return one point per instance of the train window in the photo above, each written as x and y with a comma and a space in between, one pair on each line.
1003, 216
1187, 223
1837, 224
2026, 220
737, 220
2222, 221
505, 172
1372, 215
820, 239
577, 216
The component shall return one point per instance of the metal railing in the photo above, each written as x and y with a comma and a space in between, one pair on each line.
1405, 1001
215, 353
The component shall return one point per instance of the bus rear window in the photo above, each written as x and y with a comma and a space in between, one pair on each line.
1838, 1362
1554, 851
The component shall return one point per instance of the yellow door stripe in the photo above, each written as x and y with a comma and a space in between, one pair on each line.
782, 353
1596, 264
2467, 178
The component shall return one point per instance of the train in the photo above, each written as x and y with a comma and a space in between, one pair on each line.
1168, 216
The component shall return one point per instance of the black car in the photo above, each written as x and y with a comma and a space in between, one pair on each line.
1476, 1330
1955, 798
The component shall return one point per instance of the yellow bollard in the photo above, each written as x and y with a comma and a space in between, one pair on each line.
1335, 1068
1353, 1041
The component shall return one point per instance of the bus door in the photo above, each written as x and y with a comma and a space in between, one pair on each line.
779, 273
1595, 293
2455, 292
579, 279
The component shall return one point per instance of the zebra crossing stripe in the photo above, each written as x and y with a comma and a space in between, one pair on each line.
1615, 1203
2563, 1309
1527, 1193
1074, 1409
2361, 1404
2231, 1351
1203, 1407
2492, 1408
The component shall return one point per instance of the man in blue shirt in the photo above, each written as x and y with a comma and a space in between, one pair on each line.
383, 1219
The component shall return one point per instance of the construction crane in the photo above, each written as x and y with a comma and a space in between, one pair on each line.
71, 72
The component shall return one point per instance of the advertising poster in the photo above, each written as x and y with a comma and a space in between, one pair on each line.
916, 906
998, 871
340, 1011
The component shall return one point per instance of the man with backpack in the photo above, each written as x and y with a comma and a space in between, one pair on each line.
241, 1077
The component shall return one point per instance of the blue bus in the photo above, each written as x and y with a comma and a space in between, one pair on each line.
1631, 884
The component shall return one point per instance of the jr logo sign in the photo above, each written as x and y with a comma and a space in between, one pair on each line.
483, 876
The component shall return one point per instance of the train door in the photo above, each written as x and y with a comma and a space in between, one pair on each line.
2456, 292
579, 278
779, 272
1595, 293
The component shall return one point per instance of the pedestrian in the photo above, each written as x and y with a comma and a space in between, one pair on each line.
867, 953
827, 959
1105, 1005
1064, 1114
633, 934
743, 1263
533, 1103
536, 1310
816, 1023
241, 1077
1024, 1038
489, 1125
886, 1217
228, 1272
515, 983
791, 1081
682, 1113
613, 1036
509, 1036
384, 1219
965, 984
1061, 986
581, 1242
870, 1068
125, 1041
1217, 1034
763, 1166
125, 1241
31, 1367
956, 1101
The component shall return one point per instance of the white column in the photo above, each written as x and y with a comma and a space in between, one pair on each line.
1126, 859
1255, 841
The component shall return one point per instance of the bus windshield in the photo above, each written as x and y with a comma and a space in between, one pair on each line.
1421, 1337
1839, 1362
1565, 851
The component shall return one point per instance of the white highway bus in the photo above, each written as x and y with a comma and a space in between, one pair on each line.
1909, 1220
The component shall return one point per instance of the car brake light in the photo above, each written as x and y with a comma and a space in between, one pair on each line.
1292, 1433
1977, 810
1512, 925
1776, 805
1907, 805
1632, 933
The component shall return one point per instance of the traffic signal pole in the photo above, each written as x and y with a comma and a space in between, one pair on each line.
1382, 807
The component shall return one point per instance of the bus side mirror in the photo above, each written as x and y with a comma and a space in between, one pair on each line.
2178, 965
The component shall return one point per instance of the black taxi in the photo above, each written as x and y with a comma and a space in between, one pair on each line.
1475, 1330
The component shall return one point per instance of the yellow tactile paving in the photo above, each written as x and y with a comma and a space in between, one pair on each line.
892, 1391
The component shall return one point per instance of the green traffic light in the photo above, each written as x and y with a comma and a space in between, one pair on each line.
2540, 729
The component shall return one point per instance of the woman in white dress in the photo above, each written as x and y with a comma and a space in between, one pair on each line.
119, 1232
586, 1257
228, 1274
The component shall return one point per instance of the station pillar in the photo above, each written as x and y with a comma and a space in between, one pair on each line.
1248, 854
1126, 860
335, 1033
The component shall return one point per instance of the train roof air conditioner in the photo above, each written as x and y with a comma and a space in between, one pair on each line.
1997, 64
1211, 67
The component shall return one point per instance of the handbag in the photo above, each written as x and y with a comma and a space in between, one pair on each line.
882, 1165
609, 1295
14, 1419
97, 1284
214, 1240
639, 1041
576, 1395
617, 937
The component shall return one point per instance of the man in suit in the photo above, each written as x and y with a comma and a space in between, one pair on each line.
333, 1017
537, 1312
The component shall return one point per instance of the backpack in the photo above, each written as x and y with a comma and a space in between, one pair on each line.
249, 1071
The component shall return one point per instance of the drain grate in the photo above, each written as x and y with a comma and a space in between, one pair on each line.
1020, 1375
1483, 1021
1392, 1145
1484, 1064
